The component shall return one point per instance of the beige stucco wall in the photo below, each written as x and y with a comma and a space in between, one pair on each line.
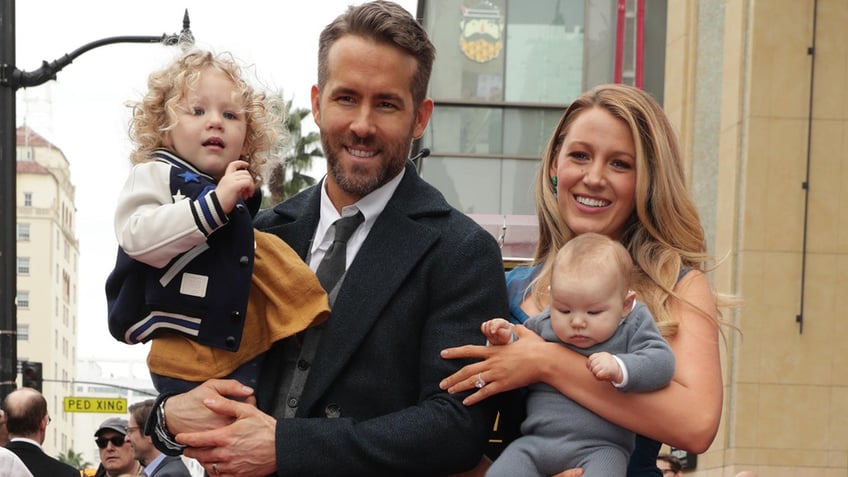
786, 390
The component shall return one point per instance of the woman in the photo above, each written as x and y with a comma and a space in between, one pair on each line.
613, 167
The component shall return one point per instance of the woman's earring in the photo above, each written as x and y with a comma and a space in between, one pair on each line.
554, 183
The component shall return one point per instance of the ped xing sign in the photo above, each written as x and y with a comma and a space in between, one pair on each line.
89, 404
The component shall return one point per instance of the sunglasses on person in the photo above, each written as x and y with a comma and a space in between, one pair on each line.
116, 441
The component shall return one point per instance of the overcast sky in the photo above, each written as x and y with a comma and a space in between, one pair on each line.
83, 112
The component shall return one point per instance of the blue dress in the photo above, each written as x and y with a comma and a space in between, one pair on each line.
643, 460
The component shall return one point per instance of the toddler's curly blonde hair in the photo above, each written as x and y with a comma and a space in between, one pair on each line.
156, 113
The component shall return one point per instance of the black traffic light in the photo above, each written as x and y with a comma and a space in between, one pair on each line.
31, 375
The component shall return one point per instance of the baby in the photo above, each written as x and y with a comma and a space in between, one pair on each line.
593, 312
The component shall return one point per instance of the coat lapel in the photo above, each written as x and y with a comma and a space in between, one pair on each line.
396, 244
393, 248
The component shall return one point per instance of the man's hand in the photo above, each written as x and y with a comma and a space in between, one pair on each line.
245, 447
186, 412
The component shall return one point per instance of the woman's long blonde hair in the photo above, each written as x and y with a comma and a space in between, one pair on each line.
156, 113
664, 234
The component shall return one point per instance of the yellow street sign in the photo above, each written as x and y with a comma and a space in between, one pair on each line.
90, 404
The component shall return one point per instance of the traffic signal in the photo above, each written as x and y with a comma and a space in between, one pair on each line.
31, 375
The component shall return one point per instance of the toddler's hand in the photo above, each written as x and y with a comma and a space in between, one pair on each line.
236, 183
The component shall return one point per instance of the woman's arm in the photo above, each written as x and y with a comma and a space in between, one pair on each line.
696, 385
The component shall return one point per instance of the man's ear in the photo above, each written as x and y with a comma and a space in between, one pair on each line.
315, 95
422, 117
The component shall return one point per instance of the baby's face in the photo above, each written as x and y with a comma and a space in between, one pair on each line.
211, 125
586, 309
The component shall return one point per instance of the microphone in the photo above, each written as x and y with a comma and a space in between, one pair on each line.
421, 155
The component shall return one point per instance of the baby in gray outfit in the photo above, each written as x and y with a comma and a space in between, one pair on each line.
593, 312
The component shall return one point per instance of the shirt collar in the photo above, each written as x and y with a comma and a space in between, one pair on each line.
25, 439
149, 468
371, 206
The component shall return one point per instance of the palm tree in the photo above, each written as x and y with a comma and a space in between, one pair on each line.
74, 459
287, 178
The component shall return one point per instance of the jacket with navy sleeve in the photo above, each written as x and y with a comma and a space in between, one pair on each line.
183, 265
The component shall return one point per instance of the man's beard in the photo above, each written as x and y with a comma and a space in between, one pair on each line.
360, 181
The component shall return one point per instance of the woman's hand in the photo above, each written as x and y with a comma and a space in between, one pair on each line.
503, 368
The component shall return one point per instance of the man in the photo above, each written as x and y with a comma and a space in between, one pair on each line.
26, 421
116, 455
4, 434
420, 277
155, 463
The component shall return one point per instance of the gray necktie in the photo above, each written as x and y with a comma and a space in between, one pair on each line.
332, 266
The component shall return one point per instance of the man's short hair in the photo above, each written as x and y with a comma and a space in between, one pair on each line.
384, 22
140, 411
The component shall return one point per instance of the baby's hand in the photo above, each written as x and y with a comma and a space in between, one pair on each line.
236, 183
605, 367
498, 331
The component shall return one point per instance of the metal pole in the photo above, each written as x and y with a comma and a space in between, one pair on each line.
8, 208
11, 79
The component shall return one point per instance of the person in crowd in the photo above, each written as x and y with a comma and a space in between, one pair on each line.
156, 464
192, 275
4, 433
359, 394
592, 311
613, 167
11, 465
116, 453
27, 420
669, 465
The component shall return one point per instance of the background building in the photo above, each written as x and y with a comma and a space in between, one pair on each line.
756, 90
47, 269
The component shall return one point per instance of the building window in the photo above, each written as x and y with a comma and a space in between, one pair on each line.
27, 199
509, 50
23, 265
23, 332
505, 72
23, 232
23, 299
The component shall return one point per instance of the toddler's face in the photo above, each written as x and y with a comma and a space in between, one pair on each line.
211, 125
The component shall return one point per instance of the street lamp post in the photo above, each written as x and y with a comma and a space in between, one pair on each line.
11, 78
